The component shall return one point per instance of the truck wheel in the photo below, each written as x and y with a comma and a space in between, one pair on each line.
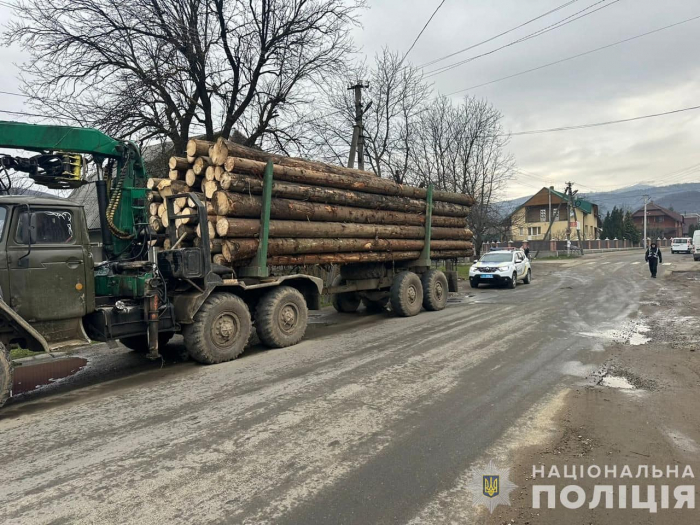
346, 302
220, 330
375, 306
406, 294
435, 290
139, 343
452, 281
5, 375
281, 317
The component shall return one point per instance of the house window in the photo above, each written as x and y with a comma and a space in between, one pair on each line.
660, 219
534, 230
543, 215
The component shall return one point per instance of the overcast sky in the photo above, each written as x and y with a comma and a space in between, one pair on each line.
657, 73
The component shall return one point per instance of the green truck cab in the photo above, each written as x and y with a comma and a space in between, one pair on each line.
56, 294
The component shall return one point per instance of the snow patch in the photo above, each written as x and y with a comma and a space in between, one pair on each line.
617, 382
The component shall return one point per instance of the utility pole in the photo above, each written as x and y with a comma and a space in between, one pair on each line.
572, 205
646, 199
357, 146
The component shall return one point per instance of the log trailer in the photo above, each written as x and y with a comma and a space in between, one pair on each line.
55, 292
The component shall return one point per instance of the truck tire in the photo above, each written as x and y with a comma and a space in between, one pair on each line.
452, 281
374, 306
363, 271
435, 290
346, 302
220, 330
406, 294
5, 375
281, 317
139, 343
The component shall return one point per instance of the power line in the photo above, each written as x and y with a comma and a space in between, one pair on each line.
11, 93
598, 124
540, 32
421, 32
435, 61
23, 113
575, 56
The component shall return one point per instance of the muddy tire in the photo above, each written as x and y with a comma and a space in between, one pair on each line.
375, 307
528, 277
435, 290
139, 343
474, 283
406, 294
281, 317
346, 302
513, 281
452, 281
220, 330
5, 375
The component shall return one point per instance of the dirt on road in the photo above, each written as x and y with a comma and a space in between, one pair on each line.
641, 408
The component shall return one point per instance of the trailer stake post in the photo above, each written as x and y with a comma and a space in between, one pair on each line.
258, 266
424, 259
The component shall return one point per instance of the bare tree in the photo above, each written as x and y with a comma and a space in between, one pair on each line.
395, 99
462, 148
176, 68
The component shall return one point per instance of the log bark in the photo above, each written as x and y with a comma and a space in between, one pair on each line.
186, 230
178, 163
239, 205
224, 148
198, 148
346, 258
247, 184
236, 227
366, 184
179, 186
214, 244
241, 249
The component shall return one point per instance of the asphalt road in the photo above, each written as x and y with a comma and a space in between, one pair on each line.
371, 420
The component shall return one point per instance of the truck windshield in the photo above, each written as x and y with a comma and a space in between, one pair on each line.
497, 257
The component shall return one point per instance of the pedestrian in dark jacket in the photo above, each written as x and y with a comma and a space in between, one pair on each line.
653, 257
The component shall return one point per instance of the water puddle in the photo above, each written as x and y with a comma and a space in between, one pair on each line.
29, 377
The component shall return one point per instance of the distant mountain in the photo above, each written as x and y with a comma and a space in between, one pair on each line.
682, 198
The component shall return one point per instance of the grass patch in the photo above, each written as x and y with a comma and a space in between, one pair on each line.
19, 353
462, 270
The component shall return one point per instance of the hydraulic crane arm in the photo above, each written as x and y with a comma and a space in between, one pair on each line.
120, 192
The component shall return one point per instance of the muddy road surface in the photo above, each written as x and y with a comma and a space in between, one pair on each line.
372, 419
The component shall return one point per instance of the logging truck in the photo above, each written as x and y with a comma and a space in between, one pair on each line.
162, 270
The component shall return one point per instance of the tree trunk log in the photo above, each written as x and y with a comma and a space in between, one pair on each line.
155, 224
224, 148
236, 227
153, 196
346, 258
247, 184
239, 205
178, 163
366, 184
209, 187
200, 165
198, 148
192, 179
241, 249
176, 174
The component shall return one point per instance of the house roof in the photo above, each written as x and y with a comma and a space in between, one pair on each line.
656, 210
581, 204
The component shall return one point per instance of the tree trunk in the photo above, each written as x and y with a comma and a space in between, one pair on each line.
366, 184
239, 205
193, 180
223, 148
247, 184
241, 249
178, 163
236, 227
200, 165
346, 258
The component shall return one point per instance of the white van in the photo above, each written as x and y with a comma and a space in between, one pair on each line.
682, 245
696, 245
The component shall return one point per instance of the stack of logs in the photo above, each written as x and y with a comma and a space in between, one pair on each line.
319, 213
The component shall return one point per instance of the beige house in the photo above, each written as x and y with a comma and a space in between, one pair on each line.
530, 221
